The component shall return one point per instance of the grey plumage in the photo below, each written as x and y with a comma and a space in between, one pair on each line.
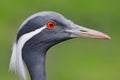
34, 38
40, 20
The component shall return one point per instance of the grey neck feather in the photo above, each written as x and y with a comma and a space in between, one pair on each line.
36, 67
34, 58
34, 52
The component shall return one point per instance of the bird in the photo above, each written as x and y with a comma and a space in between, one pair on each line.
36, 35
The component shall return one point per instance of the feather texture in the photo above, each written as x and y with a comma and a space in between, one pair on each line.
16, 62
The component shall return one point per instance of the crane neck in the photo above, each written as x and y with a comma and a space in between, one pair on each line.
34, 58
33, 54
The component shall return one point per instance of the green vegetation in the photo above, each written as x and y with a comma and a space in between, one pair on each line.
77, 59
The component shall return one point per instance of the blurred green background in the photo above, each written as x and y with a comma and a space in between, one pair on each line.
76, 59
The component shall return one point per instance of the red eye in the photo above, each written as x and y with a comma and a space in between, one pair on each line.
50, 25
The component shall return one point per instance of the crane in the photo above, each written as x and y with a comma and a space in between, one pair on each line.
36, 35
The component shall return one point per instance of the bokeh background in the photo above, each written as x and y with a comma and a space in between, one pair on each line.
76, 59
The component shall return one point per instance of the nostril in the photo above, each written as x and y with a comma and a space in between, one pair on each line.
83, 30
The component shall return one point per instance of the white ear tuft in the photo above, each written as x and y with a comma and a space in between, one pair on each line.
16, 62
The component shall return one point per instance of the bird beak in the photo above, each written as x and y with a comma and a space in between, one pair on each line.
79, 31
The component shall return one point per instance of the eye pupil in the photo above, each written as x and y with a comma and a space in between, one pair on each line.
50, 25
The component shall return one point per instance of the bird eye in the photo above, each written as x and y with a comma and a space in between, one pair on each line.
50, 25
